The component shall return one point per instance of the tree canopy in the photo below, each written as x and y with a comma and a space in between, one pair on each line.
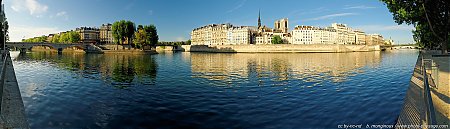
123, 31
6, 33
146, 35
67, 37
430, 18
277, 40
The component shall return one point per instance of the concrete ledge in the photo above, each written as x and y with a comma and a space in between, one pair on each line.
13, 110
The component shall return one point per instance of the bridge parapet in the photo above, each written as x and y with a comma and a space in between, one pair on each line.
24, 46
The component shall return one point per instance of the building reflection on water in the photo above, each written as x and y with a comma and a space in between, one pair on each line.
125, 69
120, 70
309, 67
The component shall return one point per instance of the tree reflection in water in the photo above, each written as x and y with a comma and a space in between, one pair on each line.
121, 70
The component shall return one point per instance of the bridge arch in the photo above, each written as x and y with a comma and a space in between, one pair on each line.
23, 46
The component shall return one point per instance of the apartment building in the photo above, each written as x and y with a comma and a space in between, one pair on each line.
374, 39
89, 34
240, 35
360, 37
314, 35
227, 34
345, 34
214, 34
106, 34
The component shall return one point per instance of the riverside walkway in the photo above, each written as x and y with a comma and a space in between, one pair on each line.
12, 114
428, 105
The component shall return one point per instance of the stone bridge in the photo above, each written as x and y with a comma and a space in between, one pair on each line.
24, 46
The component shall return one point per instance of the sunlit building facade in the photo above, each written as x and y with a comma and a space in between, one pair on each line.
374, 39
106, 34
345, 35
313, 35
89, 34
214, 34
240, 35
227, 34
281, 26
360, 37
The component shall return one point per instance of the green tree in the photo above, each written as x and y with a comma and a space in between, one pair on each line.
423, 37
74, 37
6, 34
40, 39
130, 28
430, 17
277, 40
146, 35
140, 37
123, 31
64, 38
55, 38
118, 31
6, 30
152, 34
140, 27
188, 42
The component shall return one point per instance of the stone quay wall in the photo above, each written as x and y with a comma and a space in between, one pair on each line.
294, 48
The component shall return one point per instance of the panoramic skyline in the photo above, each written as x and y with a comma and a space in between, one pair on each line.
176, 19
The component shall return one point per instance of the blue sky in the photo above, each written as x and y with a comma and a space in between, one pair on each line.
175, 19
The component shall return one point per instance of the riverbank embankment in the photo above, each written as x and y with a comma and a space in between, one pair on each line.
12, 107
414, 111
286, 48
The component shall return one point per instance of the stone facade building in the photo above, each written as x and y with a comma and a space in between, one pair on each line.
281, 25
313, 35
345, 34
374, 39
360, 37
227, 34
214, 34
106, 34
241, 35
89, 34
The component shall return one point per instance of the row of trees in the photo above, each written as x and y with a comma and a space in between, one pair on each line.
174, 43
67, 37
431, 18
36, 39
125, 32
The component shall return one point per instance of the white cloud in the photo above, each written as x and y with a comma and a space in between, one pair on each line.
376, 28
360, 7
17, 33
330, 16
63, 14
32, 6
237, 7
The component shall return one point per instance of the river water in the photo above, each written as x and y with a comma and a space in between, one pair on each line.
213, 90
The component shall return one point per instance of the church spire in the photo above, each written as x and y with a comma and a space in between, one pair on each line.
259, 18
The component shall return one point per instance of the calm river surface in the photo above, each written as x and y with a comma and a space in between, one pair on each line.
212, 90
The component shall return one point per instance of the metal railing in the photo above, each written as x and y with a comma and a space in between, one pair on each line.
5, 55
429, 113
